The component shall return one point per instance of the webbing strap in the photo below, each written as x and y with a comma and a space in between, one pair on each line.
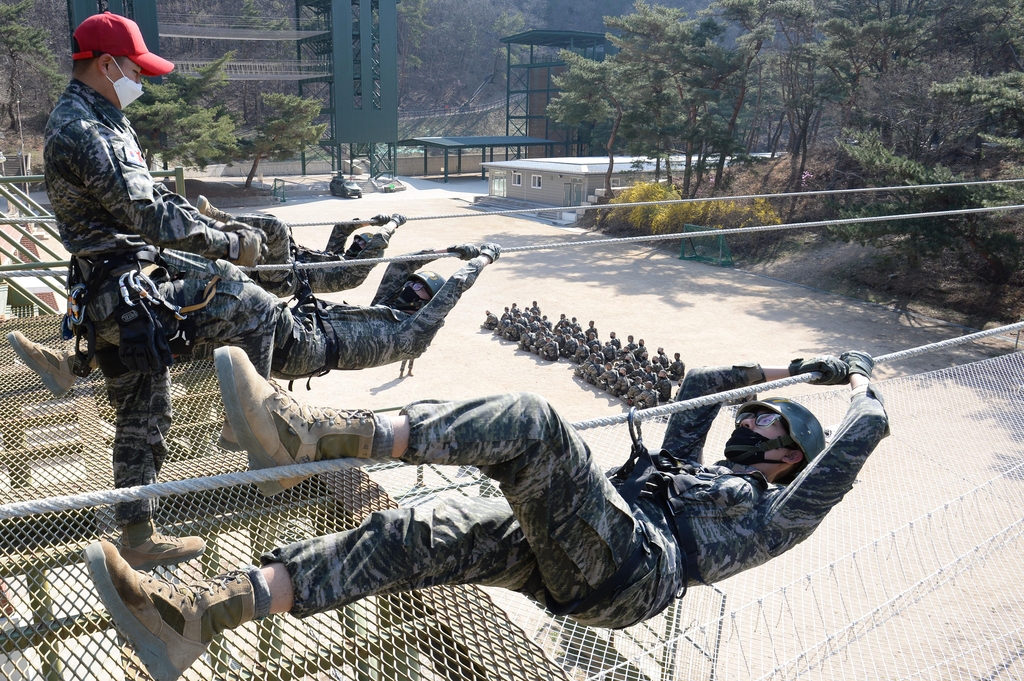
208, 293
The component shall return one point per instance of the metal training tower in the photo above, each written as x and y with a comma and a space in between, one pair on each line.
346, 57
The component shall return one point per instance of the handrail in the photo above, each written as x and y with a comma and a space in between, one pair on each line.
23, 203
178, 173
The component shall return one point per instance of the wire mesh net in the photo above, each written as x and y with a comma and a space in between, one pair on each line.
914, 575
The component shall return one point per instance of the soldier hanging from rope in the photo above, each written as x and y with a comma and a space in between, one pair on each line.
608, 551
152, 277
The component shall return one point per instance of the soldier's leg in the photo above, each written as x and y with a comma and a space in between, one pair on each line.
284, 250
280, 251
234, 310
462, 541
142, 407
579, 527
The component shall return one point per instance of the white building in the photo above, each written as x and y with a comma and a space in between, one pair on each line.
570, 181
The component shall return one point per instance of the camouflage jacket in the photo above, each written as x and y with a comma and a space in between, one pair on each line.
380, 334
738, 519
102, 193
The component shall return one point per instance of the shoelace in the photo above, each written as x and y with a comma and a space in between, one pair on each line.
310, 415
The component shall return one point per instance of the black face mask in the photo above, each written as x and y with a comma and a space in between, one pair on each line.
354, 249
748, 447
408, 300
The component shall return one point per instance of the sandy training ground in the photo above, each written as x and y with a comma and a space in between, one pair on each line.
710, 315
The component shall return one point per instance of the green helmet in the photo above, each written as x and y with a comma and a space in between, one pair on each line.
432, 280
803, 426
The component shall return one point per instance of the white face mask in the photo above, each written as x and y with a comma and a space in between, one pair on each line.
127, 90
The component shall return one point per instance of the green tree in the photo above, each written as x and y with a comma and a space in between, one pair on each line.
286, 130
591, 92
24, 55
412, 25
180, 121
1001, 97
992, 238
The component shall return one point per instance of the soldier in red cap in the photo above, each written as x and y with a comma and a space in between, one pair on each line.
158, 278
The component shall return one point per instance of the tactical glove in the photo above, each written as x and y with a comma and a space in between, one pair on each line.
465, 251
143, 346
859, 362
246, 246
833, 370
234, 226
399, 220
383, 219
490, 250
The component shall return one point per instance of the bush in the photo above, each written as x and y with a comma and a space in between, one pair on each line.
671, 219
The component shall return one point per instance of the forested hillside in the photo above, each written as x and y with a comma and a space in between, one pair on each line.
848, 93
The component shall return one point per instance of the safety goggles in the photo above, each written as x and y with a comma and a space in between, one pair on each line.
764, 419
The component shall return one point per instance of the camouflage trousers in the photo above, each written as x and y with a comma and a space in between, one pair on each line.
561, 530
239, 313
282, 250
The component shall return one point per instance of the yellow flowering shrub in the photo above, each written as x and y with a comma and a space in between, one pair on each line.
672, 218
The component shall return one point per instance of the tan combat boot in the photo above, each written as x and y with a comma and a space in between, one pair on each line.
144, 548
276, 430
52, 366
169, 625
204, 206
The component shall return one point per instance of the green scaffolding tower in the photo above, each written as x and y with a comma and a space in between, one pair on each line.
347, 58
360, 94
531, 67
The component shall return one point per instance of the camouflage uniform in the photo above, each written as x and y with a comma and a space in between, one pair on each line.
640, 353
282, 249
568, 347
562, 529
647, 398
676, 370
550, 350
106, 202
594, 370
664, 388
515, 332
375, 335
490, 322
608, 380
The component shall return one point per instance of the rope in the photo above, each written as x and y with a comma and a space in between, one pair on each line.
696, 403
608, 206
674, 236
163, 489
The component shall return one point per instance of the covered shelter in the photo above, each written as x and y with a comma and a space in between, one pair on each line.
484, 143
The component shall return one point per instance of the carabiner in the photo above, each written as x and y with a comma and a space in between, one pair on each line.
76, 312
634, 428
124, 289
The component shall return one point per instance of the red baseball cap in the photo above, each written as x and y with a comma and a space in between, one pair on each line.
117, 36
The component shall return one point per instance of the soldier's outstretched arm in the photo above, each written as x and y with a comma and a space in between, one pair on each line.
687, 430
796, 512
397, 272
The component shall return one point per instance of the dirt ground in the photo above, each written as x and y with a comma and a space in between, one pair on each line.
708, 314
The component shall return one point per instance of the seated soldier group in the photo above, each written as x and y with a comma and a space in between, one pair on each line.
626, 371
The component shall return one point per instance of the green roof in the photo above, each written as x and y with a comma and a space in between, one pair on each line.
474, 142
563, 39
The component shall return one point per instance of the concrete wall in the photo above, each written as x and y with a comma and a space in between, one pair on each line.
412, 166
266, 168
